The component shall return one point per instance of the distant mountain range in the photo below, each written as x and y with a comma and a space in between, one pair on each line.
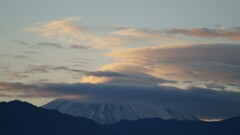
22, 118
108, 113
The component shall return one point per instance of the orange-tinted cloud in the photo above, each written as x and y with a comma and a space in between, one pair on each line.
68, 32
125, 73
197, 65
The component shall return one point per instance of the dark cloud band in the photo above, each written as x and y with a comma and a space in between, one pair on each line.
204, 103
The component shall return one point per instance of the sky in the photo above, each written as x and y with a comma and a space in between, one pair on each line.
179, 54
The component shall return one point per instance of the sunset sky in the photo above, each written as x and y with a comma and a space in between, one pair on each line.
179, 53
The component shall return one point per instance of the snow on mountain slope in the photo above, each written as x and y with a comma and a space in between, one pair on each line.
108, 113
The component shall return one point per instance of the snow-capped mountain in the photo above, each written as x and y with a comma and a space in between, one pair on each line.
108, 113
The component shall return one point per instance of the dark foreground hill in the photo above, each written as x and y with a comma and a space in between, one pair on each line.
174, 127
21, 118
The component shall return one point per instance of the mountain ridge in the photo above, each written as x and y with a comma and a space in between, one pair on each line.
19, 117
109, 113
22, 118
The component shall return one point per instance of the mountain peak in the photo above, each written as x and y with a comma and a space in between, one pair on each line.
17, 103
108, 113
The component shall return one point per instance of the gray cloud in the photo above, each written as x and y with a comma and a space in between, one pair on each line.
211, 33
126, 78
49, 44
106, 74
79, 46
37, 73
117, 77
232, 33
31, 52
16, 75
20, 42
60, 46
37, 69
21, 57
208, 64
48, 68
223, 53
68, 69
204, 103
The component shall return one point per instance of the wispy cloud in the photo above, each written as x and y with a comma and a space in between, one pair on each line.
205, 64
107, 76
79, 46
37, 69
68, 69
38, 44
21, 57
120, 77
49, 44
37, 73
62, 27
231, 34
20, 42
31, 69
66, 31
16, 75
224, 53
31, 52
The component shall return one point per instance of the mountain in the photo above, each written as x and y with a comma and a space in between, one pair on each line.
21, 118
108, 113
156, 126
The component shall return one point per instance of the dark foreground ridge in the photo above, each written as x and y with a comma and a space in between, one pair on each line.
22, 118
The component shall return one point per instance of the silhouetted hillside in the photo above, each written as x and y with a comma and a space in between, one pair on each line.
21, 118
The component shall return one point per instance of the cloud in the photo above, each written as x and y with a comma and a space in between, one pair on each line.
139, 34
194, 65
48, 68
209, 73
204, 103
38, 44
31, 52
55, 45
68, 69
20, 42
106, 76
102, 76
223, 53
40, 73
78, 46
49, 44
77, 36
37, 69
61, 27
232, 33
65, 30
16, 75
21, 57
